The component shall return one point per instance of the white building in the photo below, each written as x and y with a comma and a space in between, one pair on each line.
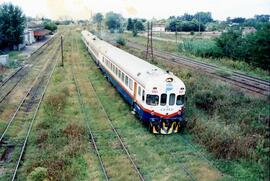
29, 37
158, 27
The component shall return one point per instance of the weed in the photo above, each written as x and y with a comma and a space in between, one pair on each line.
38, 174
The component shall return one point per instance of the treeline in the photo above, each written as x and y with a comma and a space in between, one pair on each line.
253, 48
189, 22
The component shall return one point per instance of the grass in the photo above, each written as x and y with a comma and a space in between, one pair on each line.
56, 133
224, 63
226, 122
59, 141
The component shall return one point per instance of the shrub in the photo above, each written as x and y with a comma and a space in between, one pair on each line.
38, 174
121, 41
206, 100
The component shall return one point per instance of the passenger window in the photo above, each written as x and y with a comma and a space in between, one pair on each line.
143, 95
139, 91
126, 80
131, 84
172, 99
152, 100
119, 74
180, 100
163, 99
123, 77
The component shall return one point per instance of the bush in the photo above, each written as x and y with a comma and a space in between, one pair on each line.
121, 41
49, 25
38, 174
206, 100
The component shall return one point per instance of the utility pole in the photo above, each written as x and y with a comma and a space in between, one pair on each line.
62, 51
149, 41
199, 23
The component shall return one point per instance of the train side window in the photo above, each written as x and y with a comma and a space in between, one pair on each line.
143, 95
130, 84
119, 74
123, 76
172, 99
139, 91
180, 100
163, 99
116, 71
126, 80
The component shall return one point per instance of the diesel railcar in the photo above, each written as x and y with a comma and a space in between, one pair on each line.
156, 96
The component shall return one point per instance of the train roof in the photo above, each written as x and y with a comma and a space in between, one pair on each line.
137, 68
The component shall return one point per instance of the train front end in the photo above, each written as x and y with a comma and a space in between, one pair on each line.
165, 104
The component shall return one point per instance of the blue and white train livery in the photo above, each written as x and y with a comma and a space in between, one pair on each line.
157, 96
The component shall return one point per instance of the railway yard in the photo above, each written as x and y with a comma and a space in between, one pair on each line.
69, 123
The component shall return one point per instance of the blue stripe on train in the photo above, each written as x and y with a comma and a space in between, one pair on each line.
144, 116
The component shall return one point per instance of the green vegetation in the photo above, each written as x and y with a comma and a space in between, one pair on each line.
114, 21
121, 41
228, 123
135, 25
203, 48
11, 25
50, 25
253, 48
223, 62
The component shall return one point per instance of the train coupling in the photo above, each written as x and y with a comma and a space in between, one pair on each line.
164, 126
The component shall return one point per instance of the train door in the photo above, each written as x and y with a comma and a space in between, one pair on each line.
135, 91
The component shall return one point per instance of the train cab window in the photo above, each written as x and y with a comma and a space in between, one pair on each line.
172, 99
180, 100
163, 99
152, 100
123, 77
126, 80
139, 91
130, 85
143, 95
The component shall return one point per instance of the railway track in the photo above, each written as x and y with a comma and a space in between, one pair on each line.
13, 81
14, 138
251, 84
93, 134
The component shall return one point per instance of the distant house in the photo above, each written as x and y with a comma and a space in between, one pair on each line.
158, 27
248, 30
38, 30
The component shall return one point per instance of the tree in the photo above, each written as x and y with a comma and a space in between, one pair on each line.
113, 21
12, 24
130, 24
98, 19
49, 25
238, 20
203, 17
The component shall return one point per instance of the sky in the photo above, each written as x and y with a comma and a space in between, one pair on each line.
83, 9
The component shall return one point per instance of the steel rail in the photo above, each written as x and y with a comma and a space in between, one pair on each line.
136, 168
86, 118
117, 134
22, 101
252, 84
22, 68
31, 123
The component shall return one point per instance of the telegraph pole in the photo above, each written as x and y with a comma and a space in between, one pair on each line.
149, 41
62, 53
